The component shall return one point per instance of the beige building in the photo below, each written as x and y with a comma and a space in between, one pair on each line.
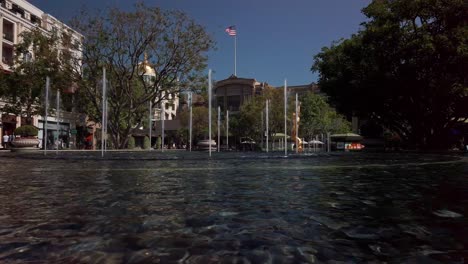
302, 90
170, 99
232, 92
17, 16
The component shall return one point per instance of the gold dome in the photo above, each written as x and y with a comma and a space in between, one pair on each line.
145, 67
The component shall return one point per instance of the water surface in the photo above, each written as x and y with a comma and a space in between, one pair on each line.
234, 208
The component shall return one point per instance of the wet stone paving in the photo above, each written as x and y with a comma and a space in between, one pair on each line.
233, 208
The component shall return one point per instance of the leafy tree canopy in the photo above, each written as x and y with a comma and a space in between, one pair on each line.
318, 117
406, 68
38, 55
174, 45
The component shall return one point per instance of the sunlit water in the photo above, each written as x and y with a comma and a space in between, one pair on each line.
234, 208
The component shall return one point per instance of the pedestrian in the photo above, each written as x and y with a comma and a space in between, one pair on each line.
6, 140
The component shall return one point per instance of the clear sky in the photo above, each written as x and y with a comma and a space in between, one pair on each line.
276, 39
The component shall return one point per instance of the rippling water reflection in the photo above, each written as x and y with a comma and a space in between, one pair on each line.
233, 209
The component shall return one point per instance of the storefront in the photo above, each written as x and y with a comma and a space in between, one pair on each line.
58, 135
8, 124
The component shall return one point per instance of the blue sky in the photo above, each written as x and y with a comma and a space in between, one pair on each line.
276, 39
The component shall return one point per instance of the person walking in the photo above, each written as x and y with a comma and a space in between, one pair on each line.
6, 140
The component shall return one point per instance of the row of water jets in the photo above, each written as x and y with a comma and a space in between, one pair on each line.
105, 118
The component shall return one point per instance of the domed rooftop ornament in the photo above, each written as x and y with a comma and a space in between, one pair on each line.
145, 67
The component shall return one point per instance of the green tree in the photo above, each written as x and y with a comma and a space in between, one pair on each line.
316, 116
37, 56
248, 123
406, 68
200, 129
118, 40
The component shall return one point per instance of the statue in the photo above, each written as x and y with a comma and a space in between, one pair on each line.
295, 127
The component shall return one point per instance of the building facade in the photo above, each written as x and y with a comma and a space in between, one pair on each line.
232, 92
17, 16
169, 102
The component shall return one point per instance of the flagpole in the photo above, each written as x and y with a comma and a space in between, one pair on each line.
235, 54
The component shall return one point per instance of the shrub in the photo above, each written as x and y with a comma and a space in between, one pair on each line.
158, 143
27, 131
146, 143
131, 143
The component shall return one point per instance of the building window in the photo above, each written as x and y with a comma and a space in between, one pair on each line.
7, 54
233, 102
35, 20
8, 30
18, 10
220, 102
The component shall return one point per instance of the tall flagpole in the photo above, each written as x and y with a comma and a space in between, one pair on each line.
231, 30
235, 54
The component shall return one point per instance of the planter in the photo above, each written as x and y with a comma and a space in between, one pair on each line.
25, 142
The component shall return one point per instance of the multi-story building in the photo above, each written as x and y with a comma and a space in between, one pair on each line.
170, 100
17, 16
232, 92
302, 90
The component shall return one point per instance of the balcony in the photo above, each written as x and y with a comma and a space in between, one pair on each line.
8, 31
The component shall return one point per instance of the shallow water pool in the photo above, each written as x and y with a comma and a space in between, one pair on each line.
233, 208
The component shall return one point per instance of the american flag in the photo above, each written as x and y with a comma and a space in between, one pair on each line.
231, 30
